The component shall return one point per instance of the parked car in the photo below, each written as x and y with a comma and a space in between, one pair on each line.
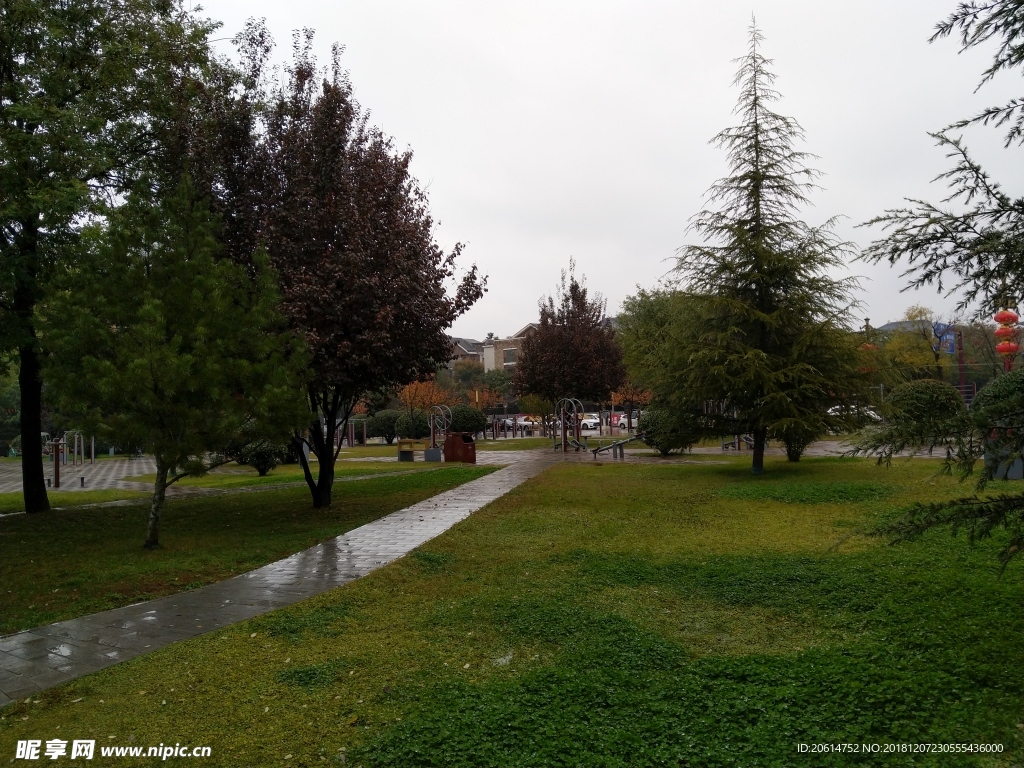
516, 421
590, 421
620, 419
865, 414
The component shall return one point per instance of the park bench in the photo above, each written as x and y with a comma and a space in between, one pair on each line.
407, 447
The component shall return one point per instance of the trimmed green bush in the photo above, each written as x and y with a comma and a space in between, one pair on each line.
924, 402
1002, 397
466, 418
262, 455
383, 424
667, 431
797, 436
413, 427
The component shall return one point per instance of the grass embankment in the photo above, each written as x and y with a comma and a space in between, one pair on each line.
59, 565
608, 615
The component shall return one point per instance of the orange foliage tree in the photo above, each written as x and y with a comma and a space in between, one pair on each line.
631, 397
424, 394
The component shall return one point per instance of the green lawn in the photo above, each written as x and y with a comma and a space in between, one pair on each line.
15, 502
63, 564
223, 478
609, 615
238, 476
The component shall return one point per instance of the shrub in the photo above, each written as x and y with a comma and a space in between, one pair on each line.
382, 424
1002, 398
412, 426
466, 418
924, 403
997, 411
668, 430
797, 436
262, 455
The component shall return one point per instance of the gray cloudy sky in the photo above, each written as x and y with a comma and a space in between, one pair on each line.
545, 131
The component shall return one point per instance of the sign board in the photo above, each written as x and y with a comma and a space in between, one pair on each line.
945, 338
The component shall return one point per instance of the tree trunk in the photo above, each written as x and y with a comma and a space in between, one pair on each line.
32, 476
159, 491
760, 435
33, 481
307, 473
324, 484
321, 441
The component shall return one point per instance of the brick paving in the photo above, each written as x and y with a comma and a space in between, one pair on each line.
104, 474
36, 659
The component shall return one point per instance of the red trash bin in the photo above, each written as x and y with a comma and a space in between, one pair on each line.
460, 446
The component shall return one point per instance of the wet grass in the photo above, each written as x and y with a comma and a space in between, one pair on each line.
59, 565
609, 615
15, 502
239, 476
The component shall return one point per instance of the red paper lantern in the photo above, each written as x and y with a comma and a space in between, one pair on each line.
1006, 317
1008, 347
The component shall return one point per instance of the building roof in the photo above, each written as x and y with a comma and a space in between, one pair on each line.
905, 325
528, 328
470, 345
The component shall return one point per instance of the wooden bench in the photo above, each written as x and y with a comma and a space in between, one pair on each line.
407, 447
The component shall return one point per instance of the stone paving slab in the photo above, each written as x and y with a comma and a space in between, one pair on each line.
36, 659
104, 474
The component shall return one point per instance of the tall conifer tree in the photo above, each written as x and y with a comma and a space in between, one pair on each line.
768, 347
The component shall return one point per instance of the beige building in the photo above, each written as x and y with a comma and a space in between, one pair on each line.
465, 349
502, 354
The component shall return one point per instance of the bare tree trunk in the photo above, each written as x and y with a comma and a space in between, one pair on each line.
33, 482
157, 508
760, 436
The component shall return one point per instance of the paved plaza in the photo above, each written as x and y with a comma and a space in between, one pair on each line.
104, 474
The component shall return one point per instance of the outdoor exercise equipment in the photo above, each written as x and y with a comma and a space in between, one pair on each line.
617, 448
569, 410
440, 425
78, 448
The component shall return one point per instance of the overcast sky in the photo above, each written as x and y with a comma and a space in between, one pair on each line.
545, 131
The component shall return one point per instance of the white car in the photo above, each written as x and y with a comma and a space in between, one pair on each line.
590, 421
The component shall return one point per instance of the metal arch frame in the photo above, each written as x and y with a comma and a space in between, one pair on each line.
444, 413
566, 408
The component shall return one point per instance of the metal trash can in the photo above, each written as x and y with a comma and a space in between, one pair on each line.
460, 446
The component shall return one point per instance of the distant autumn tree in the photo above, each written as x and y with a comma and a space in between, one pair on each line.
349, 233
423, 395
915, 350
573, 352
631, 396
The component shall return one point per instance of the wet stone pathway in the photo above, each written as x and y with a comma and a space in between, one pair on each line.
36, 659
